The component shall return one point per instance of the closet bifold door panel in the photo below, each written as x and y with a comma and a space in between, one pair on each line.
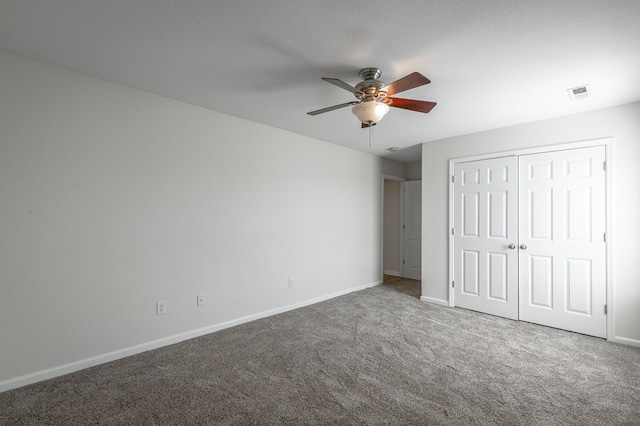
529, 238
562, 243
485, 233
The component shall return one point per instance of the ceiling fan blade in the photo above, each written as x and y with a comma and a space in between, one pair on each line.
341, 84
412, 104
331, 108
410, 81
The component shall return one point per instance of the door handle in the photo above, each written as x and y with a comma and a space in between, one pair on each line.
523, 246
511, 246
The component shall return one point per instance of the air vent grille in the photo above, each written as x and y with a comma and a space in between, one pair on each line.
580, 92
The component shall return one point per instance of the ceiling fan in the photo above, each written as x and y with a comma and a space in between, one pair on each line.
375, 97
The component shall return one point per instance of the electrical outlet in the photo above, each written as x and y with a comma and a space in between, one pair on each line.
201, 299
161, 308
290, 282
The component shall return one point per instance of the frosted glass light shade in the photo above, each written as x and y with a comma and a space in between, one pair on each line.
370, 112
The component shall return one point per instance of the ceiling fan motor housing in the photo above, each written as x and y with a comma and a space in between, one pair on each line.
369, 89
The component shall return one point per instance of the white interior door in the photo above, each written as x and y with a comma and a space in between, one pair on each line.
562, 240
412, 229
485, 236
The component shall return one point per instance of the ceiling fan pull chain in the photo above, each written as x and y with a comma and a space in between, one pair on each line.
370, 131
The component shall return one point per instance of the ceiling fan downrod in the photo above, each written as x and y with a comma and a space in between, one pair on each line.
370, 73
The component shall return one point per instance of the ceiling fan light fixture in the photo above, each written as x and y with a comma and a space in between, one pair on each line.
370, 112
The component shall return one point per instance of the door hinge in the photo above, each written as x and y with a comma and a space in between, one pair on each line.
453, 179
453, 284
404, 226
605, 309
604, 237
403, 261
604, 166
453, 231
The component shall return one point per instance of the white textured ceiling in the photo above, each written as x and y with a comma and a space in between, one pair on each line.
491, 63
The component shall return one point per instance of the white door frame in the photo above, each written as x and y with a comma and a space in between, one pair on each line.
607, 143
397, 179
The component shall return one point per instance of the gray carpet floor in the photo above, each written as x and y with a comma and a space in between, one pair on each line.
377, 356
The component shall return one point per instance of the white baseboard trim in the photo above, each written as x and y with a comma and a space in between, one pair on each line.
394, 273
434, 301
625, 341
72, 367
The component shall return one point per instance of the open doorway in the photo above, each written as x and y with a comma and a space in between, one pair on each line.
392, 228
401, 230
399, 216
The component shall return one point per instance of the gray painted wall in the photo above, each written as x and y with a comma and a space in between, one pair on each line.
112, 199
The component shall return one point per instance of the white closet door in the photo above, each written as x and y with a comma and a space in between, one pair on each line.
485, 236
562, 245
